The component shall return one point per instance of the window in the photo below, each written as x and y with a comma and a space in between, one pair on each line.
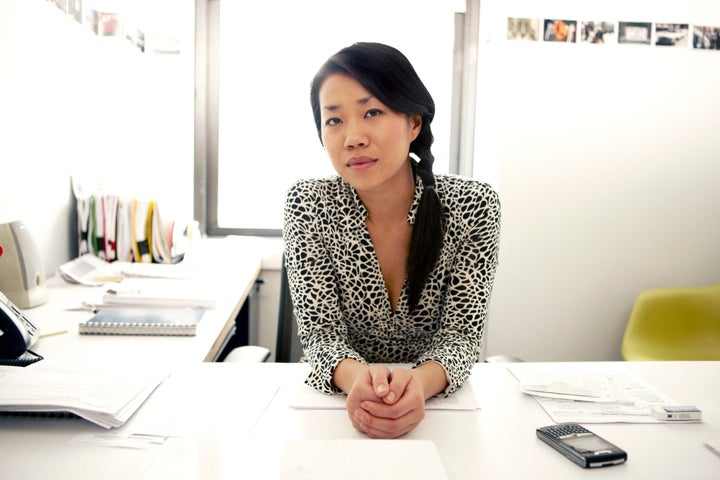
256, 131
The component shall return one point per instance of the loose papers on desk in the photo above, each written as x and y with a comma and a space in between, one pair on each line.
93, 271
163, 293
591, 397
133, 292
105, 395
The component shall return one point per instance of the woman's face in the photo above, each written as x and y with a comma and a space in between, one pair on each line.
367, 142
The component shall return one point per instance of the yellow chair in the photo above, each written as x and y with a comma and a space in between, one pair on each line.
674, 324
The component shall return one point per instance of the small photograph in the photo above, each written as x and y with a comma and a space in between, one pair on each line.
557, 30
706, 38
75, 10
108, 24
635, 32
597, 32
523, 29
671, 34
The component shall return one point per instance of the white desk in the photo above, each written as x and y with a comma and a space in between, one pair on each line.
224, 265
233, 420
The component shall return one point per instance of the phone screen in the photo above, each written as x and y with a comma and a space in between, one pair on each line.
588, 443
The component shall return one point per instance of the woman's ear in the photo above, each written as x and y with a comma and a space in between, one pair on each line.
416, 125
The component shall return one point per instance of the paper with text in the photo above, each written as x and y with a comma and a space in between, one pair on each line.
591, 397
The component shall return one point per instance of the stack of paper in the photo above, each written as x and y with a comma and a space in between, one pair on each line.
92, 271
141, 292
591, 397
103, 394
159, 293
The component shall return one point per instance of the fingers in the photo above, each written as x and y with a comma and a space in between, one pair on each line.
399, 380
383, 420
390, 386
380, 377
393, 423
363, 390
385, 404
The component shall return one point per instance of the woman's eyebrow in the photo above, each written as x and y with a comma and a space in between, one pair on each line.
362, 101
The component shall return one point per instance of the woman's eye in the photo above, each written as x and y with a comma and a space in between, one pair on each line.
332, 121
373, 112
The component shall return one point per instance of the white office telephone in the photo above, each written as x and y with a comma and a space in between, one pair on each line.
17, 333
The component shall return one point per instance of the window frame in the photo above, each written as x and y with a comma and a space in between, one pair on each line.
207, 96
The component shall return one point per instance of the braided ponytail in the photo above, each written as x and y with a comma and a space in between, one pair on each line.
428, 231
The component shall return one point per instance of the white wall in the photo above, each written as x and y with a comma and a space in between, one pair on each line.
72, 103
606, 161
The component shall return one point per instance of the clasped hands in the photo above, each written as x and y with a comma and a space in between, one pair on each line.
384, 403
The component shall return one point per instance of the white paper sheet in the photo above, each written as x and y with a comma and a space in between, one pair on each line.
103, 394
591, 397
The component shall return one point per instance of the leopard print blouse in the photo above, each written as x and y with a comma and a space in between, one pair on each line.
339, 296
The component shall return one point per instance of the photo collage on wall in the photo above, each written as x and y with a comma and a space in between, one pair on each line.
678, 35
116, 19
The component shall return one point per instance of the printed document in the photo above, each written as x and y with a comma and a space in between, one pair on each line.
569, 395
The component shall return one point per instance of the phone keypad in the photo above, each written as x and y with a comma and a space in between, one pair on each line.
565, 430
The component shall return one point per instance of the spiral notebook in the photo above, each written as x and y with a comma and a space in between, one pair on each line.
143, 321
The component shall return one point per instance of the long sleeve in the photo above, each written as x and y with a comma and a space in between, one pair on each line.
314, 288
470, 274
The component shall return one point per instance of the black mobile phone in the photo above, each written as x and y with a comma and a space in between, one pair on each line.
581, 445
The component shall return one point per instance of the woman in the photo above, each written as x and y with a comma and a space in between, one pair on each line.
387, 262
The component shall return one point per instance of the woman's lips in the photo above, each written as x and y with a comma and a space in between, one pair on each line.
359, 163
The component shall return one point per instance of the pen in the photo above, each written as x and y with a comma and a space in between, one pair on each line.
608, 402
84, 307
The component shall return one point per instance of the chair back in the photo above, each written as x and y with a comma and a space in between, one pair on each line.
674, 324
287, 348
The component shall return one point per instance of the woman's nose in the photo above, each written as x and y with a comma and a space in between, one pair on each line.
355, 136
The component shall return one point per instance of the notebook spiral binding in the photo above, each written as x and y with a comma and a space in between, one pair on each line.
22, 361
54, 414
28, 358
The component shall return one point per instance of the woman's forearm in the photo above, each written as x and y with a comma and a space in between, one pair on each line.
432, 377
346, 372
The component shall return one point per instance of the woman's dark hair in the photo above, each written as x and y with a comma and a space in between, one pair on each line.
389, 76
